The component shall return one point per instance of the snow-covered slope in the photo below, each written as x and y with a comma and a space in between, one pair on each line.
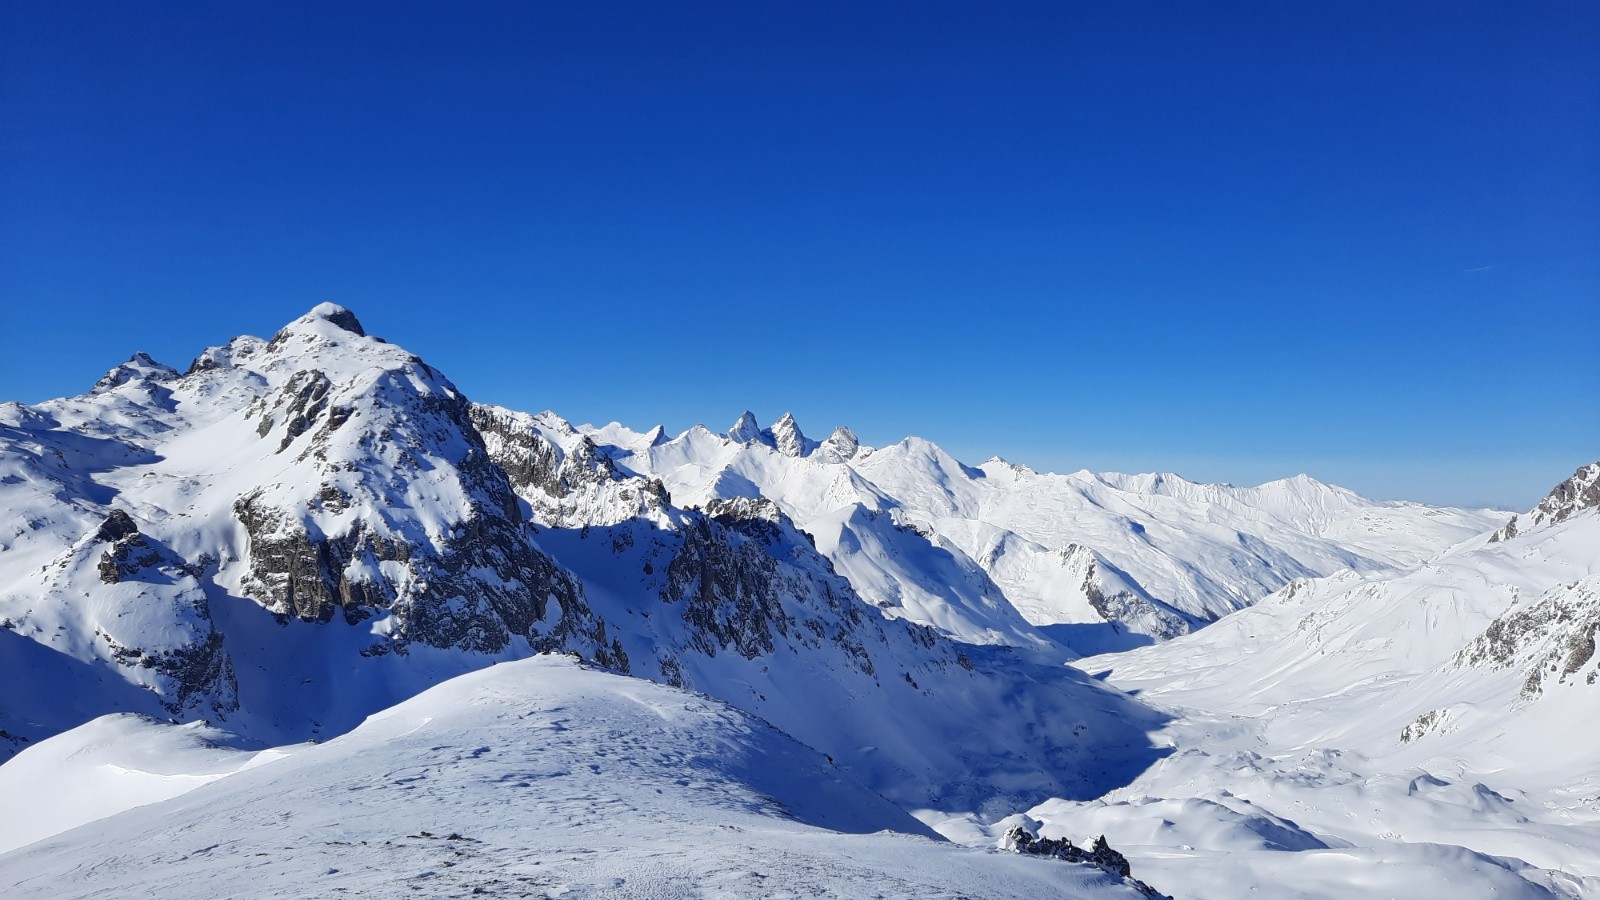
533, 778
1098, 561
297, 533
1436, 728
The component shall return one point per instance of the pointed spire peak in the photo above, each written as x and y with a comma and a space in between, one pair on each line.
786, 436
656, 436
746, 430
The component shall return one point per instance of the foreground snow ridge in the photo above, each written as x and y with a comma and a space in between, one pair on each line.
536, 778
303, 620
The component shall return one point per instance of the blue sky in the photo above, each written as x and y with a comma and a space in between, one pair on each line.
1235, 241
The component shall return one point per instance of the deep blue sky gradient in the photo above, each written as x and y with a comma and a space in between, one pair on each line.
1235, 241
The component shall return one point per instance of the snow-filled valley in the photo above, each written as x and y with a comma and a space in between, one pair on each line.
303, 620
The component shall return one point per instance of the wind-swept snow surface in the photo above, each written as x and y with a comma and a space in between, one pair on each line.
533, 778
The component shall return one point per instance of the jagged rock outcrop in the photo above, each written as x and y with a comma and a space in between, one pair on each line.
1570, 497
1552, 639
1019, 839
118, 525
1117, 600
139, 367
563, 475
366, 532
126, 556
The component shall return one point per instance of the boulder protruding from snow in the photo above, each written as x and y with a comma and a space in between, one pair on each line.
1023, 839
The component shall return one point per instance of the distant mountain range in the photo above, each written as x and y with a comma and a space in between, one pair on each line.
295, 536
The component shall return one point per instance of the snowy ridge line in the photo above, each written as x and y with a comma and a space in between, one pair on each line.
999, 553
302, 531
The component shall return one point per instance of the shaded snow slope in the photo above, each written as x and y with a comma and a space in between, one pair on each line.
111, 764
535, 777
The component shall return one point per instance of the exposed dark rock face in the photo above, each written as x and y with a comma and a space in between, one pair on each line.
1021, 840
196, 673
730, 596
1156, 619
117, 526
294, 574
749, 581
476, 587
474, 590
531, 462
580, 485
1554, 637
345, 319
304, 399
126, 556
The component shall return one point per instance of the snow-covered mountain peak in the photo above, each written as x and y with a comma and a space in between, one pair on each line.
841, 446
1304, 485
996, 466
788, 439
139, 367
746, 430
333, 314
226, 356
